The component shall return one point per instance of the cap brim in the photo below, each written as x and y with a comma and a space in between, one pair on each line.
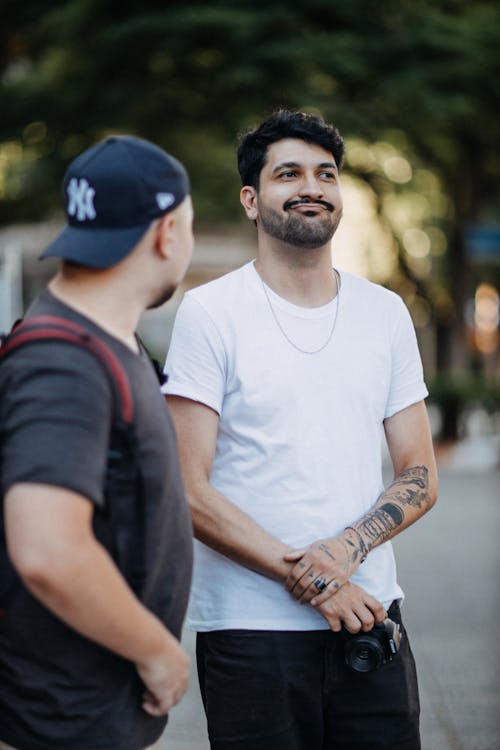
93, 247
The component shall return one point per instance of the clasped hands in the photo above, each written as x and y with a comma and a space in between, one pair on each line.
330, 563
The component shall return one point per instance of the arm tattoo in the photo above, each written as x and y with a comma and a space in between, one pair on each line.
410, 488
360, 551
380, 523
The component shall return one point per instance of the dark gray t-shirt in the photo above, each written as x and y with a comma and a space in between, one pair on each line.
58, 689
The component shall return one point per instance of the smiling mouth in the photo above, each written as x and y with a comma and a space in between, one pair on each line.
309, 208
310, 211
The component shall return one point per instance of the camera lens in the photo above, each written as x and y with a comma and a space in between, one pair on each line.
364, 654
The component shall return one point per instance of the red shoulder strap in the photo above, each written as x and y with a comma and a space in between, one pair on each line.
43, 327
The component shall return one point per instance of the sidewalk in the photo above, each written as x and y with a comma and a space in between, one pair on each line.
186, 729
448, 564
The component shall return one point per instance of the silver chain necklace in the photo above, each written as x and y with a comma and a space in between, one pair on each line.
284, 333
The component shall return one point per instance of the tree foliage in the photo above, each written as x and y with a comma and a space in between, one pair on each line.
423, 75
191, 75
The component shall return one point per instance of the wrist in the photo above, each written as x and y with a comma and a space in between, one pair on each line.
156, 643
355, 538
281, 561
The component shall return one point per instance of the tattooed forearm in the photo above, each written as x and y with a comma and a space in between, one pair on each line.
380, 523
395, 507
358, 549
410, 487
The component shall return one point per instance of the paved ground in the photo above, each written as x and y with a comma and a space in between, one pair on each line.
449, 566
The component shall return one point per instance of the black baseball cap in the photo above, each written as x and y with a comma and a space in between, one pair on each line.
112, 192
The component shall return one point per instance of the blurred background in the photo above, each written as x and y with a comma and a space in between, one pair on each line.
413, 86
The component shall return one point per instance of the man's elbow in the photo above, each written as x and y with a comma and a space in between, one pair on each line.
433, 489
35, 565
202, 514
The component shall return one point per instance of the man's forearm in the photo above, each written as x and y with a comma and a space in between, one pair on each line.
224, 527
333, 561
86, 590
221, 525
218, 522
52, 546
404, 501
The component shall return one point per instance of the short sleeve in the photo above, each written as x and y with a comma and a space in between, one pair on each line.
56, 418
407, 380
196, 362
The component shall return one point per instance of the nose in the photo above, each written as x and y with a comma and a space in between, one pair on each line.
311, 186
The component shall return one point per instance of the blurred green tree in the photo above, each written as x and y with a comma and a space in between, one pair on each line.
423, 75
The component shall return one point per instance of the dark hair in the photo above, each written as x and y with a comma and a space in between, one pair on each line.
252, 149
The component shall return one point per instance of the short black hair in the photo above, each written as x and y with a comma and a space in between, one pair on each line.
253, 145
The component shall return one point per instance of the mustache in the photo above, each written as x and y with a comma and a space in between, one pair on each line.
305, 202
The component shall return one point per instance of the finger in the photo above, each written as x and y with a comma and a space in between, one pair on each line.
366, 618
182, 689
367, 615
376, 608
335, 623
380, 617
152, 706
380, 613
304, 589
296, 574
331, 589
315, 587
318, 587
351, 622
295, 554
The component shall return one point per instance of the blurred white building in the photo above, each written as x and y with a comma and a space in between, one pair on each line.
23, 275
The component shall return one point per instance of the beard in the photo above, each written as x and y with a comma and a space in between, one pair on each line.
298, 230
163, 297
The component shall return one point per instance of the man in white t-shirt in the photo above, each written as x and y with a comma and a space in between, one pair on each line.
282, 375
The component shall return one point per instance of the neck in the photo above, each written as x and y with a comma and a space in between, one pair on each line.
101, 299
303, 277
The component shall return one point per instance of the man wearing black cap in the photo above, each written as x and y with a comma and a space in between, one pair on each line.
89, 632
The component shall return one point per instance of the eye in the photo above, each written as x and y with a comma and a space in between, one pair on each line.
290, 173
328, 175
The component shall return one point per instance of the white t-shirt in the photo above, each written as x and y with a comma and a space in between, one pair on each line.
299, 438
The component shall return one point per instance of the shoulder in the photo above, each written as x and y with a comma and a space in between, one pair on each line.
216, 294
373, 298
362, 287
50, 370
214, 308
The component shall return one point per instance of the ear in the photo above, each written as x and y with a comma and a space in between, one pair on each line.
164, 235
248, 198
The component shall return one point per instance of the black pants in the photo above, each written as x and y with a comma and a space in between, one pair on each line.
266, 690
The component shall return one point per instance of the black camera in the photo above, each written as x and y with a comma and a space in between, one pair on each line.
365, 652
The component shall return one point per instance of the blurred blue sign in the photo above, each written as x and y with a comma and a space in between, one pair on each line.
482, 243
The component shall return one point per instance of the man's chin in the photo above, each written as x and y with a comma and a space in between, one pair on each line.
164, 297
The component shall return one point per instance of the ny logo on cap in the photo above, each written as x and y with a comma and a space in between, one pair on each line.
81, 199
164, 200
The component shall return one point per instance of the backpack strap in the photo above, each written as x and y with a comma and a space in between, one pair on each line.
121, 450
51, 327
